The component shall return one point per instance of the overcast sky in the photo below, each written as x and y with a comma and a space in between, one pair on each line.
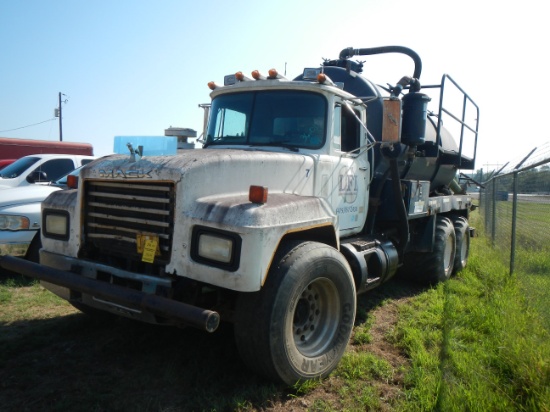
139, 67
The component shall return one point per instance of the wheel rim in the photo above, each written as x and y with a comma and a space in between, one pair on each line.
448, 257
316, 317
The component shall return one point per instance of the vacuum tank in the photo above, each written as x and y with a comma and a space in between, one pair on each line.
422, 154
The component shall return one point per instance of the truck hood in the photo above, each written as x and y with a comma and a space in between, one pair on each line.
25, 194
205, 172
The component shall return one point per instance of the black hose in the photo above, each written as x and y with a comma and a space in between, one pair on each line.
371, 220
350, 52
403, 226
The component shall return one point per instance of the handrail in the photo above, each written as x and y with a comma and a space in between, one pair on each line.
460, 119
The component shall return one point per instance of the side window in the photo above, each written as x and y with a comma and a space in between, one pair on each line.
56, 168
350, 131
230, 125
337, 128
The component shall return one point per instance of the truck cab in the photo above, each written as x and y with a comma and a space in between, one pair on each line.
310, 120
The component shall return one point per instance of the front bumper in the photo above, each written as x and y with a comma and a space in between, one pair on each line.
114, 296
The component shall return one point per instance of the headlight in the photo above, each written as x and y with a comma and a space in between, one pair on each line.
55, 224
14, 222
217, 248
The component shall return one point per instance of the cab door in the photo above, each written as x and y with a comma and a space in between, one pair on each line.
350, 170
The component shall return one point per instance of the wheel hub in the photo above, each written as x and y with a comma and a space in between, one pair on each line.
316, 317
306, 315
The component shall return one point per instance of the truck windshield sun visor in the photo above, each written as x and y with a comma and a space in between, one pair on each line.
291, 119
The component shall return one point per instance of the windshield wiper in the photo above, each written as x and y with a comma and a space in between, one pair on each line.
275, 143
287, 146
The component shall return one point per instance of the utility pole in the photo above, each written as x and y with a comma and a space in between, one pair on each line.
58, 113
60, 123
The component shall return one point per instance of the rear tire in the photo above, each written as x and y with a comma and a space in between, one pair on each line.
298, 326
462, 234
437, 265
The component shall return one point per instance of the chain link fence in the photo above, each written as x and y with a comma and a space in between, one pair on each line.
515, 206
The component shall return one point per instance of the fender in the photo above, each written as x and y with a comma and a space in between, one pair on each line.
64, 201
281, 209
261, 227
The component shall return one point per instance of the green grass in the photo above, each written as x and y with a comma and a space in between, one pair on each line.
475, 343
533, 222
532, 252
533, 274
355, 366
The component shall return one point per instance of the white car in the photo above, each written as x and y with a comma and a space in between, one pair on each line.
20, 219
40, 168
21, 216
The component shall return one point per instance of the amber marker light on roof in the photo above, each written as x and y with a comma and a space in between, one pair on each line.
241, 77
212, 85
321, 78
257, 194
256, 74
273, 73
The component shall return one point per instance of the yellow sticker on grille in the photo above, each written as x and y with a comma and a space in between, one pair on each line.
149, 251
148, 247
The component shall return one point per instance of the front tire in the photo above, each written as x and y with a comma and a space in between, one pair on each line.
298, 326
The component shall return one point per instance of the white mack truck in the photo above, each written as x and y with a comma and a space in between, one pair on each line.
305, 193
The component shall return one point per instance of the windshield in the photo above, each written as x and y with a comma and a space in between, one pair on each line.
19, 166
294, 119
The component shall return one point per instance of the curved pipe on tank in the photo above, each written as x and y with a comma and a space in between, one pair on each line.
350, 52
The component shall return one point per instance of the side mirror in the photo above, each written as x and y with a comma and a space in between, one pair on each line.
37, 176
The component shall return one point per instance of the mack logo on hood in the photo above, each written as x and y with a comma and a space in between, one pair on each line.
126, 174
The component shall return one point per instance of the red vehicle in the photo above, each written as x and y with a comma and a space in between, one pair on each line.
5, 162
11, 148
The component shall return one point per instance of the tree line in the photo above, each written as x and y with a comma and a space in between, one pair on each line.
536, 180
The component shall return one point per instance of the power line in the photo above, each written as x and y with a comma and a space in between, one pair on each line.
30, 125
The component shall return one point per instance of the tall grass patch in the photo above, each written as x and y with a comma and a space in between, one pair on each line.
475, 343
532, 249
533, 274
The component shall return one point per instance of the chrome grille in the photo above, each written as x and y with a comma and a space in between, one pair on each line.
115, 213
